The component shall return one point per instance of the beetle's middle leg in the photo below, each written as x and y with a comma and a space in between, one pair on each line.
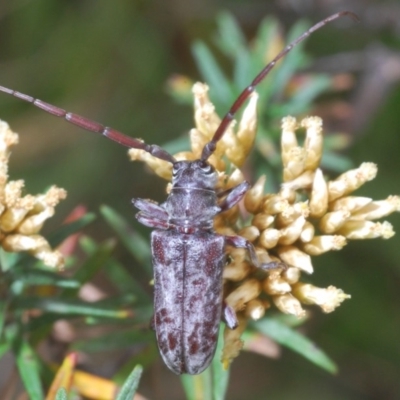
241, 242
228, 313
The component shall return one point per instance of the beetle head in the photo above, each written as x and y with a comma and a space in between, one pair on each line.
196, 174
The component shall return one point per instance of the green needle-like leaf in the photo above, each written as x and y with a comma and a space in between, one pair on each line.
94, 263
68, 307
36, 276
130, 386
69, 229
220, 375
198, 386
212, 73
231, 37
134, 243
115, 340
29, 368
292, 339
61, 394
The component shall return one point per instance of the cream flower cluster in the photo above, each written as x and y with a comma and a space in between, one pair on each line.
22, 216
308, 216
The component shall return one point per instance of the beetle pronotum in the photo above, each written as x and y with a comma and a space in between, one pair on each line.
188, 256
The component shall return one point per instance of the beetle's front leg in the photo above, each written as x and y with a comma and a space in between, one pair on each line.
241, 242
151, 214
233, 195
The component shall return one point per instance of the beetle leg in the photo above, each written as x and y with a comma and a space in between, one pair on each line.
151, 214
229, 316
150, 207
239, 241
233, 195
152, 222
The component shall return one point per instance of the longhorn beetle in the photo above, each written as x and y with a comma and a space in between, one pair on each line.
188, 256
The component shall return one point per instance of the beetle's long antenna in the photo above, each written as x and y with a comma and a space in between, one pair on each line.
209, 148
94, 126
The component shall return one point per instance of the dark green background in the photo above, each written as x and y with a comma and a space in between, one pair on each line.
110, 60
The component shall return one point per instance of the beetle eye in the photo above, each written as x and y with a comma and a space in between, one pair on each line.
174, 170
206, 167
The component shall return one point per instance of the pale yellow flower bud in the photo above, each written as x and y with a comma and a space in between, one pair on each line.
324, 243
41, 203
292, 213
328, 299
275, 204
7, 139
291, 275
254, 196
263, 256
206, 119
313, 142
255, 309
292, 256
291, 233
13, 193
274, 285
21, 217
307, 233
235, 178
34, 223
269, 238
263, 221
288, 138
251, 233
247, 130
304, 181
36, 245
237, 254
225, 231
197, 140
51, 258
349, 203
288, 304
332, 221
288, 194
247, 291
351, 180
295, 164
232, 342
219, 222
230, 216
160, 167
11, 218
236, 270
185, 156
378, 209
366, 230
229, 146
18, 242
180, 84
52, 197
319, 195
